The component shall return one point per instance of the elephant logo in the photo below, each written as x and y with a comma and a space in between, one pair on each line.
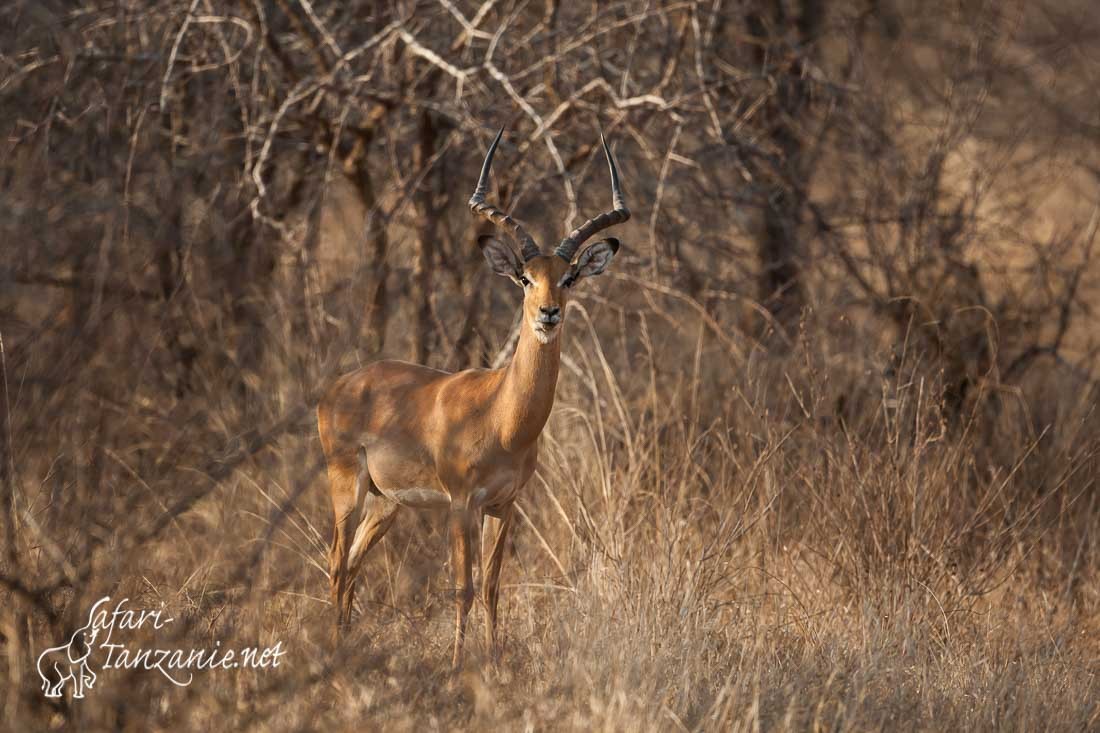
68, 662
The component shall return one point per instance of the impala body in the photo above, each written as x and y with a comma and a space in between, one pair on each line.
399, 435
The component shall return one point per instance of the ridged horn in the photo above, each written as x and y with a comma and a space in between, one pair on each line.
480, 206
618, 214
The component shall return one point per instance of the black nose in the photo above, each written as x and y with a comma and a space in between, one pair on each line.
549, 310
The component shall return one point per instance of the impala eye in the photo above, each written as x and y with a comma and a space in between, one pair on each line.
567, 281
524, 281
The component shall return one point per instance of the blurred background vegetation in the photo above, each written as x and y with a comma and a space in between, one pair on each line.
826, 443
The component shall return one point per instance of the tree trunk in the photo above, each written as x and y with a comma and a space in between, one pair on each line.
778, 245
427, 232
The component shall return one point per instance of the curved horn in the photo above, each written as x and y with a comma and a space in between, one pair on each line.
495, 215
618, 214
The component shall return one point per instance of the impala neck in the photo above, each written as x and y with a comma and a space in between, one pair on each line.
527, 390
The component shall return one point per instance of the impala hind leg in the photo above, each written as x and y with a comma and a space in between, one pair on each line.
349, 498
346, 483
378, 514
464, 526
498, 528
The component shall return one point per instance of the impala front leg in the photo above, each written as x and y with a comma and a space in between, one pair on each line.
490, 584
464, 545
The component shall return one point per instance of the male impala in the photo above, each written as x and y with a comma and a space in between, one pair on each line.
404, 435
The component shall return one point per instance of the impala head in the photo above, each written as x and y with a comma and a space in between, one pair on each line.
547, 279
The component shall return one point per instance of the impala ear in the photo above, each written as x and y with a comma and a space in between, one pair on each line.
596, 258
501, 258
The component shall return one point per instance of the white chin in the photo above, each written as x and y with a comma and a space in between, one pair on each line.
545, 337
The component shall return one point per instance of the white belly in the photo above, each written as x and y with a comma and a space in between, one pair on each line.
419, 498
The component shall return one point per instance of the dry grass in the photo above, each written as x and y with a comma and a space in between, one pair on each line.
711, 543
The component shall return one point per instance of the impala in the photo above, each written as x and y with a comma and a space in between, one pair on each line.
398, 435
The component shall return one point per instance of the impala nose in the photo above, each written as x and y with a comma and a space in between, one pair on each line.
549, 314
